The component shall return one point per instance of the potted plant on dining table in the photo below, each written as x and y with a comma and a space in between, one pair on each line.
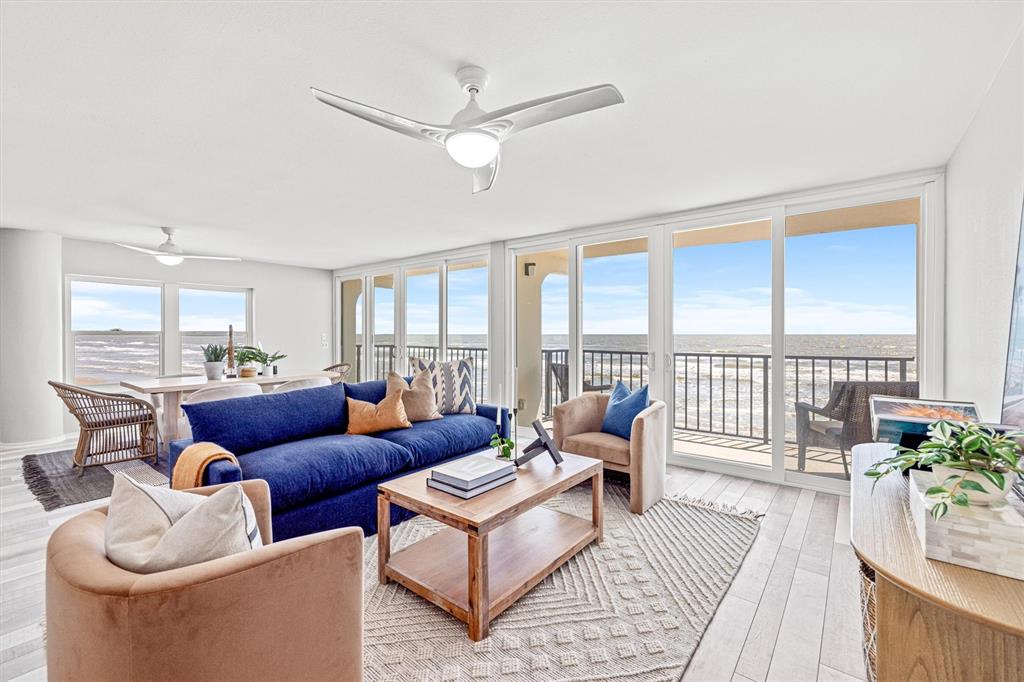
214, 356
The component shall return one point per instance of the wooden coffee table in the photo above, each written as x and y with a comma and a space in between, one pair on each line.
497, 546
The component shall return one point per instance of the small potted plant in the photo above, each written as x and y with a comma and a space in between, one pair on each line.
270, 362
506, 446
214, 356
972, 463
246, 358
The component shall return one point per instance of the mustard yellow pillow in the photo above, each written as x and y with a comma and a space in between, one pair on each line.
364, 417
420, 405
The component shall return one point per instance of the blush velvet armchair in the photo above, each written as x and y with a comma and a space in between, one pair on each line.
291, 610
577, 429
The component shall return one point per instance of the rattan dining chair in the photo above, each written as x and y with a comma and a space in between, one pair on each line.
113, 427
300, 384
342, 368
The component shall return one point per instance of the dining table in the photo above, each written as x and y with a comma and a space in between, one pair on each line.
172, 390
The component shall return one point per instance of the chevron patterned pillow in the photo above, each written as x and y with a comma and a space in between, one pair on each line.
453, 384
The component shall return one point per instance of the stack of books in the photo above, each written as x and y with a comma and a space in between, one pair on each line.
471, 476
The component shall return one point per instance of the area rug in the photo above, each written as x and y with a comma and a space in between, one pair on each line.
632, 608
56, 483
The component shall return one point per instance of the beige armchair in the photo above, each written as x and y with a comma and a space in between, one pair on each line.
577, 429
289, 610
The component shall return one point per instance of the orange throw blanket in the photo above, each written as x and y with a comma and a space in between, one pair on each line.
191, 465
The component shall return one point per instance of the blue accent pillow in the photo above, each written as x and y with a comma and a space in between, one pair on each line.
623, 407
241, 425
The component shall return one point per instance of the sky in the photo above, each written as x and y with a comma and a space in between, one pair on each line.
851, 282
101, 306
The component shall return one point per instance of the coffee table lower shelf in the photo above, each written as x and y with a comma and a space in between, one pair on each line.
520, 554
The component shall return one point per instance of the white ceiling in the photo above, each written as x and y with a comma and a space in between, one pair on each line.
117, 118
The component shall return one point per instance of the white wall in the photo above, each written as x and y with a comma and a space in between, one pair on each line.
984, 186
30, 336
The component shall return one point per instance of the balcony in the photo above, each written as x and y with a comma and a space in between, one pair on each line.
722, 399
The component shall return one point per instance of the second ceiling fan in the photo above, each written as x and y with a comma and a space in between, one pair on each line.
474, 136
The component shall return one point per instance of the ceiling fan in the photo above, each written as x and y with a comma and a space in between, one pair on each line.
474, 136
170, 253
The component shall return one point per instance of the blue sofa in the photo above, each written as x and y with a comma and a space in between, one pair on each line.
319, 476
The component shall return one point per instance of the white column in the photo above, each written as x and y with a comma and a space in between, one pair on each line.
30, 336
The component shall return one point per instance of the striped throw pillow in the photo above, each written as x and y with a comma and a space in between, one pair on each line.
453, 384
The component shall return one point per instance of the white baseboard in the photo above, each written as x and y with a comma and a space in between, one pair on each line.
34, 444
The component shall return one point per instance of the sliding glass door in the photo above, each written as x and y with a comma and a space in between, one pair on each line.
782, 324
422, 313
851, 326
614, 315
721, 341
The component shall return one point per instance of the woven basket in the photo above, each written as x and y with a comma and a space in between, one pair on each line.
867, 612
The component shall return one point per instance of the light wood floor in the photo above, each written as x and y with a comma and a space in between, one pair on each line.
792, 613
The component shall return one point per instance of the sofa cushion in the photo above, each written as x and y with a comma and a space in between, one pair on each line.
153, 528
310, 469
418, 396
600, 445
388, 414
367, 391
433, 441
242, 425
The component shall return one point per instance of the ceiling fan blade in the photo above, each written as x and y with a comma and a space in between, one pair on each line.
427, 132
149, 252
483, 177
519, 117
235, 258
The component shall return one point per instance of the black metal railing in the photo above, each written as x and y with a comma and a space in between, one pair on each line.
384, 357
725, 394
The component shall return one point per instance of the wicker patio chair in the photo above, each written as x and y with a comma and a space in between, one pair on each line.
845, 420
560, 371
113, 427
342, 368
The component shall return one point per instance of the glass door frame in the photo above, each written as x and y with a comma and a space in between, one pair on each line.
574, 246
930, 309
398, 269
776, 396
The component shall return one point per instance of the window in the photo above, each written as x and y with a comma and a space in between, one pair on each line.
115, 331
467, 318
422, 312
203, 318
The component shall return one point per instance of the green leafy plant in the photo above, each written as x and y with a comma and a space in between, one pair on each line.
506, 446
215, 352
964, 446
257, 354
245, 355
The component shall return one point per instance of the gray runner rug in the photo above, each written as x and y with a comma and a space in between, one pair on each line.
56, 483
633, 608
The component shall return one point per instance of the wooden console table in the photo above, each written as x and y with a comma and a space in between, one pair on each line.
932, 620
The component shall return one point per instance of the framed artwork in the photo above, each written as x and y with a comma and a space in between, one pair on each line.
905, 421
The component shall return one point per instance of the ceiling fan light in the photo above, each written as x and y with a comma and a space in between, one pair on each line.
472, 148
169, 259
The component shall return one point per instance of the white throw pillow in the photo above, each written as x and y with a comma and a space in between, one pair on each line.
151, 529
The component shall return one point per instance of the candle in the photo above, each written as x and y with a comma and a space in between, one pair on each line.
497, 416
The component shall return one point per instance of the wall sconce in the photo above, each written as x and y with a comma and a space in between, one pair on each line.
529, 269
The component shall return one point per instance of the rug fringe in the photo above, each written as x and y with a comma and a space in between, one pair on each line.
729, 509
39, 484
